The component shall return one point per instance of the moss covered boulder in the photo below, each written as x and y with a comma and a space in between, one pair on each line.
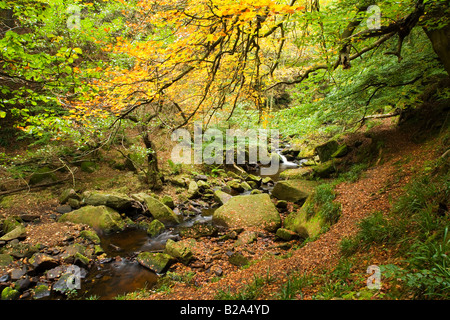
117, 201
158, 262
326, 150
159, 210
305, 222
91, 236
100, 218
293, 190
180, 250
9, 293
324, 170
5, 259
155, 228
249, 211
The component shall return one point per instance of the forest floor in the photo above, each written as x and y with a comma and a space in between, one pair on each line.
397, 163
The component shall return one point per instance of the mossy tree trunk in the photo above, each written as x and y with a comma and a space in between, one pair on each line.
440, 39
153, 174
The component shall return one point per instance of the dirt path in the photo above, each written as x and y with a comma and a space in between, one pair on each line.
370, 193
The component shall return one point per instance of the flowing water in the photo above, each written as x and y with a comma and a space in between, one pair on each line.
120, 273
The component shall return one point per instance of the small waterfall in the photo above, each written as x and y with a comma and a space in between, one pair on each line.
284, 160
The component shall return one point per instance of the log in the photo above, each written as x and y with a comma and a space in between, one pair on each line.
44, 185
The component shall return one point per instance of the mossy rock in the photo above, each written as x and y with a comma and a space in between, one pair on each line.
324, 170
235, 185
41, 291
9, 293
159, 210
180, 250
221, 197
293, 190
22, 250
42, 261
155, 228
158, 262
198, 230
68, 194
17, 233
168, 201
249, 211
245, 237
246, 186
253, 178
115, 200
342, 151
100, 218
326, 150
90, 235
286, 234
5, 259
303, 222
238, 259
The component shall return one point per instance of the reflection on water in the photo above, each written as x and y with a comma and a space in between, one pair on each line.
120, 273
107, 281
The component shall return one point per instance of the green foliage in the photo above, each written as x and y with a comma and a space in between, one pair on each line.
324, 205
294, 286
418, 227
326, 104
353, 174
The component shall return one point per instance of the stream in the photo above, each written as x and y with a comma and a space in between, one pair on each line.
120, 273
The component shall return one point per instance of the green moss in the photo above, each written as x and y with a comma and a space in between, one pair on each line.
101, 217
155, 228
90, 235
158, 262
10, 294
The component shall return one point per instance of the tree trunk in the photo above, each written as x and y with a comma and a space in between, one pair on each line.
153, 175
439, 36
440, 39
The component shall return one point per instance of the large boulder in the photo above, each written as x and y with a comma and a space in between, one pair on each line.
117, 201
293, 190
158, 262
100, 218
326, 150
303, 222
158, 209
249, 211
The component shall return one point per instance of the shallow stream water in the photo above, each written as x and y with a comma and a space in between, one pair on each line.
120, 274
